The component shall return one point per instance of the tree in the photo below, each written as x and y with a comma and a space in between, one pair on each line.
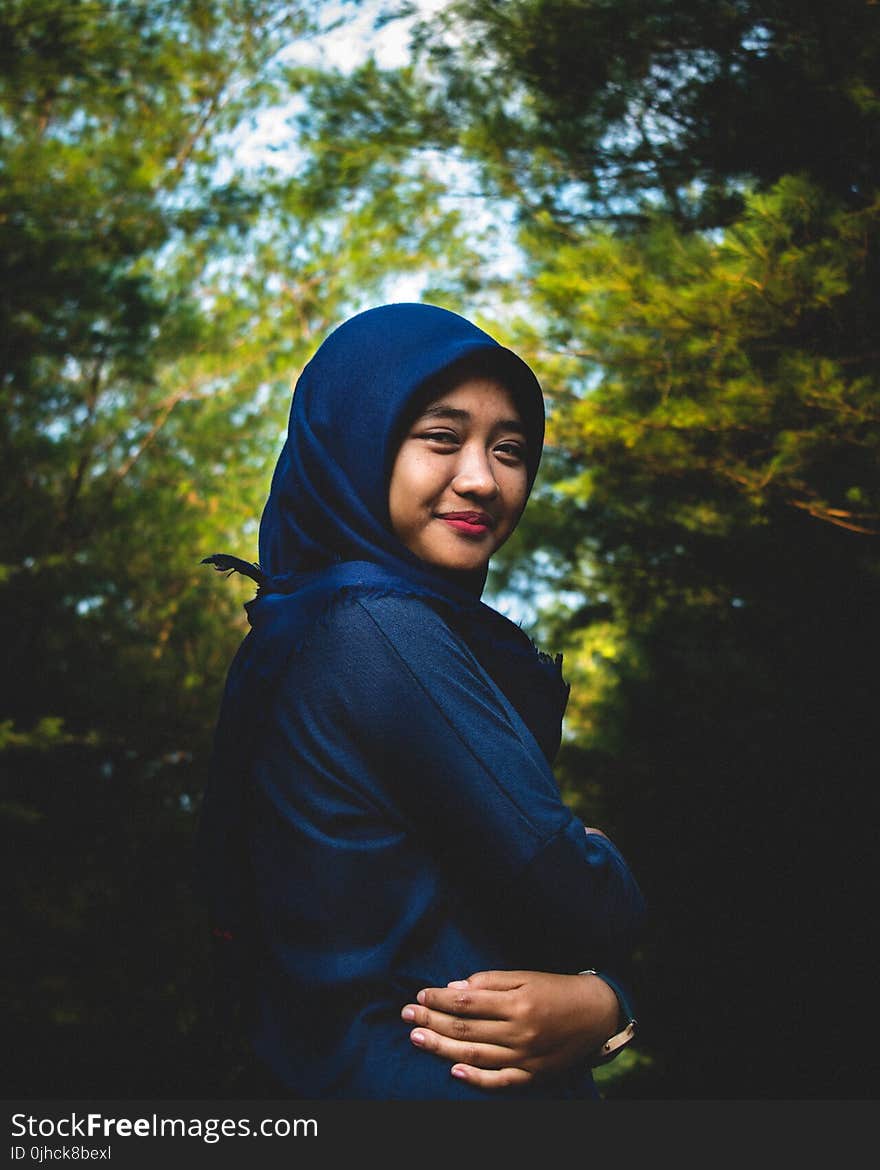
695, 188
716, 483
606, 108
158, 302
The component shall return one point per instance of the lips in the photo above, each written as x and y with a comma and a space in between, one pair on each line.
469, 518
468, 523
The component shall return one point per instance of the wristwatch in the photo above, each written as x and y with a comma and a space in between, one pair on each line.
620, 1039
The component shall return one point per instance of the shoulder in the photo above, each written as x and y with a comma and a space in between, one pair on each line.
382, 672
391, 632
365, 645
362, 628
356, 615
418, 632
396, 614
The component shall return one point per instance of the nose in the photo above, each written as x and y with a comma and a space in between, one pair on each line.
473, 473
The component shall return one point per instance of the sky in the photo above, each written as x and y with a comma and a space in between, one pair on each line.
344, 47
348, 45
268, 138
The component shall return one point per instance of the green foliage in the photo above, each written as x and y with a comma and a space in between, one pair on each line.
159, 301
612, 108
695, 188
109, 143
729, 375
159, 304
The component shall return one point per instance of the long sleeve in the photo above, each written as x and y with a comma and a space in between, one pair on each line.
386, 690
403, 829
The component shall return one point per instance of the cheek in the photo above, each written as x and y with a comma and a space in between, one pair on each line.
406, 491
416, 476
515, 494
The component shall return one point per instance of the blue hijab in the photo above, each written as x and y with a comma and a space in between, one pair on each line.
325, 534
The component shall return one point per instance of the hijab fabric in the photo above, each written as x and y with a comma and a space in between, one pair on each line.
325, 534
329, 496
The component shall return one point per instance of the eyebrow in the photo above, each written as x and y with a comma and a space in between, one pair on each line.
439, 410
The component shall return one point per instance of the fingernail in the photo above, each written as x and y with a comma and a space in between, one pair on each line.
421, 997
417, 1037
458, 983
457, 1071
408, 1013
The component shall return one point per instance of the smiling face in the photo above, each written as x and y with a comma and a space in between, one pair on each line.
460, 478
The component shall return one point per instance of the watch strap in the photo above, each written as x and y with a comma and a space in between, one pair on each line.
620, 1039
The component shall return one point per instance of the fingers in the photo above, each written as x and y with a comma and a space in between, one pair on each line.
463, 1028
494, 980
491, 1078
482, 995
464, 1002
468, 1053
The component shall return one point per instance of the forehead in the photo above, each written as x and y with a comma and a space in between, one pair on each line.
478, 397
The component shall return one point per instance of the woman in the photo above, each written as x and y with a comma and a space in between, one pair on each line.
383, 843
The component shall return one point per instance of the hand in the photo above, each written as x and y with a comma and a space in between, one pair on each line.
506, 1028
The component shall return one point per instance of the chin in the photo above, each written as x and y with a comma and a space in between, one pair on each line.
452, 552
462, 564
457, 560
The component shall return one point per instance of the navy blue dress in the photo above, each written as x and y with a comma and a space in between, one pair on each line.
405, 829
381, 814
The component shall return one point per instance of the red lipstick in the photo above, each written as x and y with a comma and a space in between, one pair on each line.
469, 523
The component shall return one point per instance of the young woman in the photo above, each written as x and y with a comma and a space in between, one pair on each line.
383, 844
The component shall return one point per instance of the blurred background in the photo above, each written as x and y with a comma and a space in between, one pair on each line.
671, 210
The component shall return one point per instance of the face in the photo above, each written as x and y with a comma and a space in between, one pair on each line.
460, 478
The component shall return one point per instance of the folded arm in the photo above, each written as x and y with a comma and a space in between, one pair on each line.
450, 761
469, 775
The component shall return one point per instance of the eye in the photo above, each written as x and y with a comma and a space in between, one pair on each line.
511, 450
442, 438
